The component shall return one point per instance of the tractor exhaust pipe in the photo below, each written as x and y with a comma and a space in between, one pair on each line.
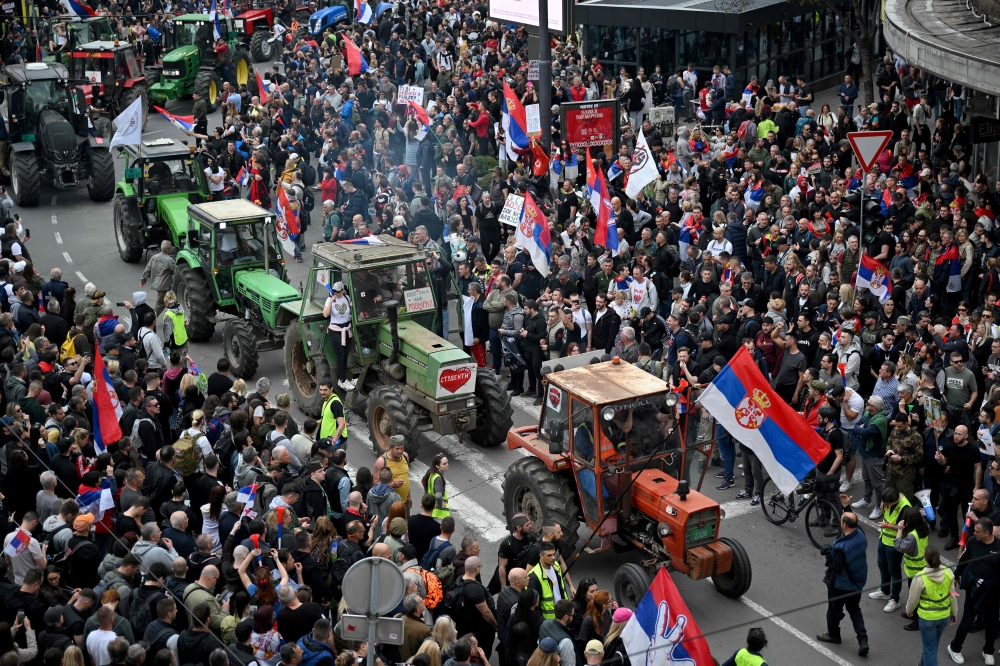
392, 314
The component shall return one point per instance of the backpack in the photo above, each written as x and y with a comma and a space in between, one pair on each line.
67, 350
446, 574
308, 176
112, 584
138, 614
186, 455
355, 115
140, 349
308, 200
454, 600
430, 557
672, 85
79, 566
49, 538
435, 591
225, 448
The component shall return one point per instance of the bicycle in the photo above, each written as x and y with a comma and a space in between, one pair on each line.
821, 515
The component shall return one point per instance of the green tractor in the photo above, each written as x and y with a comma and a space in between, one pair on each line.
161, 177
406, 376
192, 66
231, 264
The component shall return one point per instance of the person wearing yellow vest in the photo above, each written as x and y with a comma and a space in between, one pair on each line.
547, 579
174, 325
934, 598
750, 655
333, 424
399, 463
890, 562
433, 483
910, 542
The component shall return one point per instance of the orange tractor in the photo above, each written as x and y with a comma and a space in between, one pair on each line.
610, 451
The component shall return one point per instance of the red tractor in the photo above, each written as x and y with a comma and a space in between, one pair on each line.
110, 79
610, 451
256, 29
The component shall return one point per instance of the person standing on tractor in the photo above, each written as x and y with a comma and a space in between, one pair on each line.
434, 484
397, 461
333, 425
338, 309
200, 112
225, 59
548, 580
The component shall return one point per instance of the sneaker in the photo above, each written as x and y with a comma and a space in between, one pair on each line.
755, 501
726, 484
863, 649
988, 658
875, 514
956, 656
891, 606
827, 638
912, 626
743, 495
347, 384
878, 594
537, 402
951, 545
861, 504
845, 486
720, 475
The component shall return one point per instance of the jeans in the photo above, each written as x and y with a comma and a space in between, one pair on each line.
497, 350
989, 607
835, 612
959, 105
873, 473
890, 569
753, 472
930, 639
727, 450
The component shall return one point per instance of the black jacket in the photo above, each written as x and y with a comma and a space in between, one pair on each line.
537, 331
195, 647
312, 501
159, 484
313, 577
605, 329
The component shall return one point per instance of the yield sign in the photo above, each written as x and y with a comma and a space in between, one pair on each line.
868, 146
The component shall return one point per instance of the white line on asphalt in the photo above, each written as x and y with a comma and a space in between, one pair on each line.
54, 220
53, 203
470, 455
795, 632
81, 276
58, 238
68, 259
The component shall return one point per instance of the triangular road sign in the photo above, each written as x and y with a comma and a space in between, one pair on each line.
868, 146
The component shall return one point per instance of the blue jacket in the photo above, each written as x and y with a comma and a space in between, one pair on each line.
315, 653
850, 562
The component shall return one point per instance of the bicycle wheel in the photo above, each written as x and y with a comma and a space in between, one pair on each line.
776, 505
823, 522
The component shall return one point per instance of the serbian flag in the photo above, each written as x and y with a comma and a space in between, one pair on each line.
606, 233
106, 409
288, 222
185, 123
74, 8
356, 63
533, 235
364, 13
908, 176
96, 502
684, 239
367, 240
954, 271
662, 629
875, 277
515, 124
539, 159
754, 195
614, 171
18, 544
38, 51
242, 177
246, 496
213, 16
261, 88
420, 113
742, 401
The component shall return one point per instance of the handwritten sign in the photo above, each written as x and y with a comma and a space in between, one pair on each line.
533, 70
986, 442
511, 213
419, 300
411, 94
534, 117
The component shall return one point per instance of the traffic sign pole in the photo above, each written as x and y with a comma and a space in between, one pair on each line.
373, 620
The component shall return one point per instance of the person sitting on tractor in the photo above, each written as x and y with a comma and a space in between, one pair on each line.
612, 444
159, 177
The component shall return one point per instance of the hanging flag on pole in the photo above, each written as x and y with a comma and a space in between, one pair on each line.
533, 235
213, 16
128, 125
77, 9
606, 232
96, 502
356, 63
246, 496
107, 409
288, 222
18, 544
515, 124
184, 123
242, 176
643, 171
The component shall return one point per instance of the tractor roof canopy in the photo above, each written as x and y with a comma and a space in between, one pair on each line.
351, 256
235, 210
608, 382
36, 71
160, 149
105, 46
192, 18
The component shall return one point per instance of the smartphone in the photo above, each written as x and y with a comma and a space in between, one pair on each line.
253, 609
20, 616
226, 595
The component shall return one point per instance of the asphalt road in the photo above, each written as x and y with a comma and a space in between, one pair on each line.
787, 595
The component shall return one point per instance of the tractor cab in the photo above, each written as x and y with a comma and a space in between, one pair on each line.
110, 64
81, 31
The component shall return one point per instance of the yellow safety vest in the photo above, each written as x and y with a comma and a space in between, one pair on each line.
328, 426
914, 564
180, 330
747, 658
935, 598
891, 516
400, 470
437, 513
548, 602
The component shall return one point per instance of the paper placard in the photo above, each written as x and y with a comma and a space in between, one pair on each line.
411, 94
533, 70
511, 213
534, 117
985, 442
419, 300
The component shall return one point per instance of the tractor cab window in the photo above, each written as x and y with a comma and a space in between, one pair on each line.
323, 276
41, 95
555, 408
239, 244
372, 288
170, 176
204, 232
128, 68
653, 428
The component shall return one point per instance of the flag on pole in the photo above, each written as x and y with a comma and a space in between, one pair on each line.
356, 63
662, 630
606, 233
246, 496
367, 240
533, 235
875, 277
420, 113
18, 544
643, 171
213, 16
539, 159
74, 8
107, 409
38, 51
128, 125
288, 222
515, 124
364, 13
614, 171
243, 176
185, 123
261, 88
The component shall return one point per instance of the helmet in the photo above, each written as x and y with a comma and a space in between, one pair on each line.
828, 412
459, 256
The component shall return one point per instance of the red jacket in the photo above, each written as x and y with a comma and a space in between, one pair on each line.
578, 93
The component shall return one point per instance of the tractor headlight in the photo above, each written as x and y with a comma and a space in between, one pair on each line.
471, 402
239, 24
608, 413
171, 72
663, 530
670, 400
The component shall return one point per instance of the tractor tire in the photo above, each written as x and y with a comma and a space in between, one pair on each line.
24, 178
240, 347
195, 296
302, 16
392, 413
631, 584
102, 176
735, 582
530, 488
102, 128
260, 48
128, 232
493, 418
208, 87
300, 33
243, 72
304, 373
134, 93
152, 74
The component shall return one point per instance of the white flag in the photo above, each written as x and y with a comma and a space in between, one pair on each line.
129, 124
643, 171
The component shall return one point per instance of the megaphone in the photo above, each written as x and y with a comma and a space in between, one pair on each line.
925, 500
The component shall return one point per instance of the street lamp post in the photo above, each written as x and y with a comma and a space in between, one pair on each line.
544, 75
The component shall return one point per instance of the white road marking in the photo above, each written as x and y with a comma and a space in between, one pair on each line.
54, 220
81, 276
69, 260
58, 238
819, 647
470, 455
53, 203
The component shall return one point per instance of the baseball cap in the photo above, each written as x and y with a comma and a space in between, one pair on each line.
707, 337
720, 360
747, 303
594, 647
53, 614
644, 312
871, 315
83, 521
548, 645
338, 286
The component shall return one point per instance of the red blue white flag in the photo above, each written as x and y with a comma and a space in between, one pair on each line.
107, 408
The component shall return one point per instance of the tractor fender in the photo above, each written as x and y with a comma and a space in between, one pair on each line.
22, 147
186, 257
133, 82
125, 189
206, 68
97, 143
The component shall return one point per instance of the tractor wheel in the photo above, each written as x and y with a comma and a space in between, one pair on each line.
303, 16
195, 296
102, 176
392, 413
735, 582
207, 85
152, 74
102, 128
243, 70
261, 49
300, 33
24, 178
128, 232
631, 584
530, 488
493, 417
304, 372
240, 345
134, 93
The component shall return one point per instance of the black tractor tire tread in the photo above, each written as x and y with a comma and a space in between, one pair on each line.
250, 358
202, 86
103, 128
193, 281
129, 97
311, 405
402, 414
300, 32
29, 190
735, 582
557, 495
633, 575
257, 45
491, 430
102, 176
129, 232
152, 74
302, 16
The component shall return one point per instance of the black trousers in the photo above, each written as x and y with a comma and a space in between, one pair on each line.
490, 246
201, 127
835, 612
988, 608
954, 503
